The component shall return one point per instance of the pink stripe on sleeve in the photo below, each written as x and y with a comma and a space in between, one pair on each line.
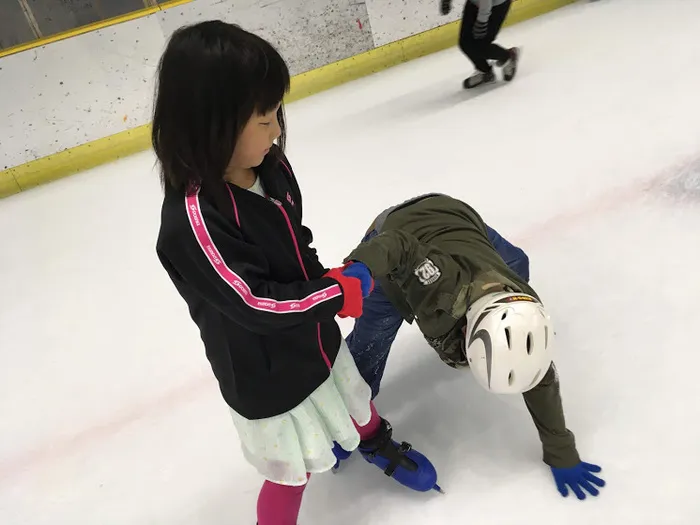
265, 304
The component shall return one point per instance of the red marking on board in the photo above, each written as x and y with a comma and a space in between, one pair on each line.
124, 119
359, 23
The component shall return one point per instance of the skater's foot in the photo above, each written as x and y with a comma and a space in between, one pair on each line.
479, 78
510, 67
399, 461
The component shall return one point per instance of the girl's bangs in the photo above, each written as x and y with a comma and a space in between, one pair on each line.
273, 85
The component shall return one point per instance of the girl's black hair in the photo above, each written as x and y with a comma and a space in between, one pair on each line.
212, 78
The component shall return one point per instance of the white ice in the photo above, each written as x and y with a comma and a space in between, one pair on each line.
590, 160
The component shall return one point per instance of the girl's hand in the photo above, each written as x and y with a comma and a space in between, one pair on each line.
353, 290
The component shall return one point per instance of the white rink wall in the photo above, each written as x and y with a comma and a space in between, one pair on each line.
100, 83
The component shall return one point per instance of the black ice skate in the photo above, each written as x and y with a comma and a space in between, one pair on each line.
479, 78
510, 66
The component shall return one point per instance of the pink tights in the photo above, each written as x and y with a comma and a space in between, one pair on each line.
280, 504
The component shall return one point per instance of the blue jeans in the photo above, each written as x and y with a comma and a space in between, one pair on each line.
374, 332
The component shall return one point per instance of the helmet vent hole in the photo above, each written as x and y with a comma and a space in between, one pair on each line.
508, 337
511, 378
505, 314
529, 343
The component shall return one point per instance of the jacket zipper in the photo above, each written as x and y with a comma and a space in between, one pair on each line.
306, 275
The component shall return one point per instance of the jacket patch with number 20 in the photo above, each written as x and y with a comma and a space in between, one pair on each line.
427, 272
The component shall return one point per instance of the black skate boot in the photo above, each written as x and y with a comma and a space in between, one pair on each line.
510, 66
399, 461
479, 78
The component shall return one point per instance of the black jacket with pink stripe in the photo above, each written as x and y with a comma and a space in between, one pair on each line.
255, 288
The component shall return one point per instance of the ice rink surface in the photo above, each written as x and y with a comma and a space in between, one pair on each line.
590, 160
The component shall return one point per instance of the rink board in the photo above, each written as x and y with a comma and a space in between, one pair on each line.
73, 160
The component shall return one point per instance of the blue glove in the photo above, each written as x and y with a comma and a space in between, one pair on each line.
578, 477
359, 271
480, 30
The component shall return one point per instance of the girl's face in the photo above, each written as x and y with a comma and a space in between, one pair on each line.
256, 139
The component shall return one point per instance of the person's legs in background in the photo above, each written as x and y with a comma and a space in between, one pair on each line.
481, 50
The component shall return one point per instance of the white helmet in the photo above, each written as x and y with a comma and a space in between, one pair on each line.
508, 342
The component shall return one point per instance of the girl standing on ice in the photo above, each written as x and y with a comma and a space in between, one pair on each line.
232, 241
481, 22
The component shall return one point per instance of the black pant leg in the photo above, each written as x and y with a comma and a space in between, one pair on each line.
474, 49
498, 15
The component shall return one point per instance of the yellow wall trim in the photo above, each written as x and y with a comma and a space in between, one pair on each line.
119, 145
90, 27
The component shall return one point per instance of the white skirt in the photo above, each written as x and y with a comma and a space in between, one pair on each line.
285, 447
